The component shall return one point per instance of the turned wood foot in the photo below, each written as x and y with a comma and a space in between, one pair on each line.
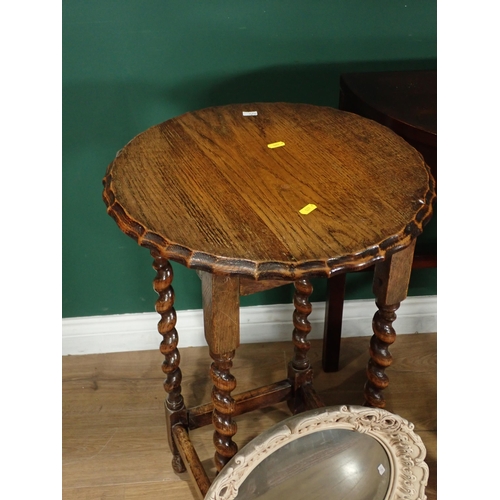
224, 406
299, 368
174, 403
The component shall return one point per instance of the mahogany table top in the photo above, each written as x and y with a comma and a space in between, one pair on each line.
206, 190
405, 101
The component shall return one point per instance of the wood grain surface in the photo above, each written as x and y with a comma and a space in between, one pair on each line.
204, 189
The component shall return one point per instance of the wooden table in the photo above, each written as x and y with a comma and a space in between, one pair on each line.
223, 190
406, 102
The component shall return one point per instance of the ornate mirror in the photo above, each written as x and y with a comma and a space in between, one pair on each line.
341, 453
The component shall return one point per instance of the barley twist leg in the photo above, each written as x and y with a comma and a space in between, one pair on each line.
299, 369
174, 402
380, 357
224, 405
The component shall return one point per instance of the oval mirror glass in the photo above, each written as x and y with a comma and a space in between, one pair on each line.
338, 464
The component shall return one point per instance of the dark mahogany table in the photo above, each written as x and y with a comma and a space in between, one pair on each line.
406, 102
255, 196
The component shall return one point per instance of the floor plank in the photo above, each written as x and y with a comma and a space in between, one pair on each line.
114, 439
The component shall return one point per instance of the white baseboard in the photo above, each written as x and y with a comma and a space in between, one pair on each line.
137, 332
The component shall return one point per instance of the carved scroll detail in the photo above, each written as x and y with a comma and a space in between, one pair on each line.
405, 449
380, 357
224, 406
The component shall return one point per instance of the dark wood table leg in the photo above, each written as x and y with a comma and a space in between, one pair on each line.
390, 285
222, 332
224, 406
334, 309
174, 403
300, 372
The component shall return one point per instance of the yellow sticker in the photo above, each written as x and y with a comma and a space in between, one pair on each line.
308, 209
276, 144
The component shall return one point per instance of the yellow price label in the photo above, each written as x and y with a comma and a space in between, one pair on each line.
308, 209
276, 144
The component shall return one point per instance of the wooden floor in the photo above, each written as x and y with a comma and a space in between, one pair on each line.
114, 439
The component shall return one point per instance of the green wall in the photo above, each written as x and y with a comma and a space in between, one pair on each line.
129, 64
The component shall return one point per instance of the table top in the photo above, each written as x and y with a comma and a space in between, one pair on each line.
405, 101
222, 190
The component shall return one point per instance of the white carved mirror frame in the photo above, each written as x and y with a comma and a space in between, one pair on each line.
405, 449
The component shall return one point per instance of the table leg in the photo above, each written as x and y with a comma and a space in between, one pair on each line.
299, 369
224, 405
390, 286
334, 308
174, 402
222, 331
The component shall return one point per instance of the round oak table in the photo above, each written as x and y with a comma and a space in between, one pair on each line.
254, 196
